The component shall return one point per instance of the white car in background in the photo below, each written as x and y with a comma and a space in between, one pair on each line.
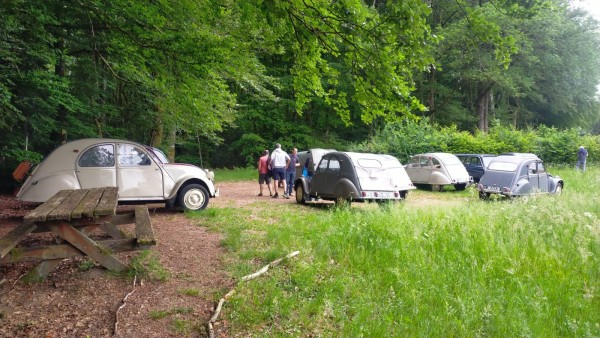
142, 173
438, 170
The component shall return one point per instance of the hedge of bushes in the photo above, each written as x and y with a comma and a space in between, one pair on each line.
409, 137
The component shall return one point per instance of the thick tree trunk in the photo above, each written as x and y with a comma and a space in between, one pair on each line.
483, 103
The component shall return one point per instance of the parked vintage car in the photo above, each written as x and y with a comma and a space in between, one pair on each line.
475, 164
437, 170
348, 176
142, 174
518, 174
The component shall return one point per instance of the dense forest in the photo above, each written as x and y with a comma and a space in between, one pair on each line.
214, 82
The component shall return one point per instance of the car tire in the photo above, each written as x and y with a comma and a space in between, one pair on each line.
437, 187
193, 197
559, 188
460, 187
300, 196
404, 195
484, 195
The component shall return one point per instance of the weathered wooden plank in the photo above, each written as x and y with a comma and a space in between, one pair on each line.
143, 226
10, 240
88, 204
39, 213
108, 202
63, 251
96, 251
64, 209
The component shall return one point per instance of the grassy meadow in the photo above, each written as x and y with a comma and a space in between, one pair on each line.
440, 264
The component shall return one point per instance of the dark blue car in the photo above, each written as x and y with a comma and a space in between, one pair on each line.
475, 164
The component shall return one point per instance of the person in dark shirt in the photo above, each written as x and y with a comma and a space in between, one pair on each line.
581, 158
290, 171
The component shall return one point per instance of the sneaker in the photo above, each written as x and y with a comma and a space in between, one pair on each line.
260, 194
286, 196
275, 196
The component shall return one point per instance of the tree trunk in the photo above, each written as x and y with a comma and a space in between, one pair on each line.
483, 101
171, 141
431, 98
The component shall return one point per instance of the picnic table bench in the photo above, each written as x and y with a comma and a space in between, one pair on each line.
73, 215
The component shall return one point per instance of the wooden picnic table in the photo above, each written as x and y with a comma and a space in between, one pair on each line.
73, 215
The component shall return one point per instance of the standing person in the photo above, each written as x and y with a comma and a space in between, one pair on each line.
263, 172
279, 161
290, 172
581, 158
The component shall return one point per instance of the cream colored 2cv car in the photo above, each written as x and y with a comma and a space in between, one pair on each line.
142, 174
438, 170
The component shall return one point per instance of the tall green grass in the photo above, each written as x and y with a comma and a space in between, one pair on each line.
524, 267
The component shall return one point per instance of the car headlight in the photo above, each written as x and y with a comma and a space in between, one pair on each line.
210, 174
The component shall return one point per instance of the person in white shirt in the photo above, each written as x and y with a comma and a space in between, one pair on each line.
279, 162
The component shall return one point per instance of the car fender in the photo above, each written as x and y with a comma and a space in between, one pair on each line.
40, 190
554, 182
523, 187
346, 189
438, 178
305, 182
183, 181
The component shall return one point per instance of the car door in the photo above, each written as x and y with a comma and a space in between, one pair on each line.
533, 177
326, 176
96, 167
543, 180
419, 169
138, 176
475, 167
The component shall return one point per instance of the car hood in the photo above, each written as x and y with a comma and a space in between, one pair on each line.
180, 170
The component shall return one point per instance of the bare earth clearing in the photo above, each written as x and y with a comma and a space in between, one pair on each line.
78, 303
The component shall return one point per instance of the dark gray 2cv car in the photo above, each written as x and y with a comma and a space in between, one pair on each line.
518, 174
352, 177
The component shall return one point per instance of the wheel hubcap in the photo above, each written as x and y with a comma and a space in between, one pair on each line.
194, 199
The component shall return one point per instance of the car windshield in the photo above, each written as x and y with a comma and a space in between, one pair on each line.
158, 155
503, 166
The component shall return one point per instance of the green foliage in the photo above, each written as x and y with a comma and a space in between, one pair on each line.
146, 265
86, 265
409, 138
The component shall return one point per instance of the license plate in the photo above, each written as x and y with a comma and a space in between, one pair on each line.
496, 189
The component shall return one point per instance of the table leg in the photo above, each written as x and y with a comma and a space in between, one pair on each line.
82, 242
41, 270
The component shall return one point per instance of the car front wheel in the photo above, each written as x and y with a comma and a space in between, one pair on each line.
193, 197
558, 190
484, 195
437, 187
300, 198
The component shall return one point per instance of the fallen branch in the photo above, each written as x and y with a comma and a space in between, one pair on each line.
264, 269
122, 306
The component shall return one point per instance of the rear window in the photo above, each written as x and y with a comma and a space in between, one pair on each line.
503, 166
